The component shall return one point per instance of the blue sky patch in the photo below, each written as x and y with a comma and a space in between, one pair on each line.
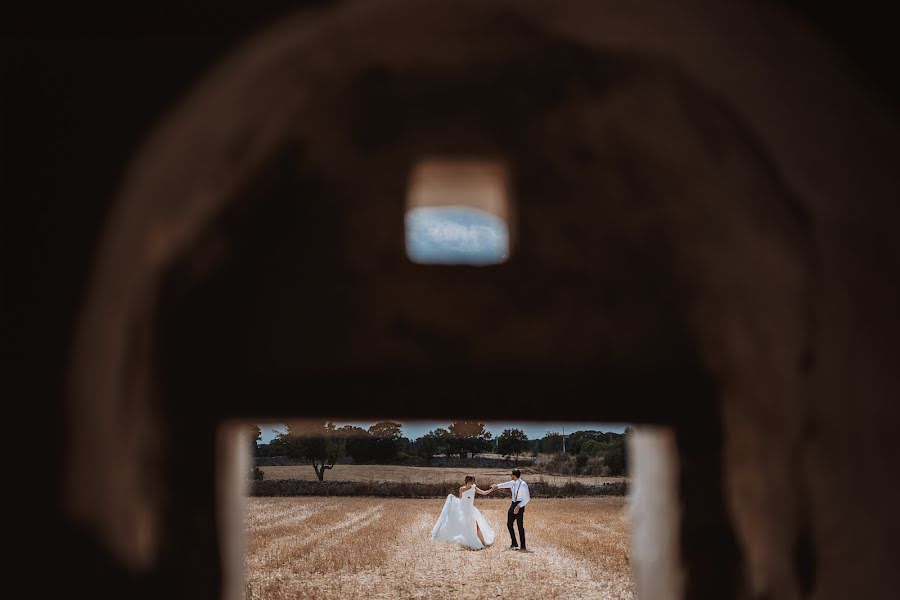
455, 235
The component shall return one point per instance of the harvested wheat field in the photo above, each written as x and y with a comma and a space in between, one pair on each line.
381, 548
485, 476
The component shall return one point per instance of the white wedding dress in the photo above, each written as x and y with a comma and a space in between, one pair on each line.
457, 522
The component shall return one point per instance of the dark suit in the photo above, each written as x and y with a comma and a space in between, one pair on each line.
512, 517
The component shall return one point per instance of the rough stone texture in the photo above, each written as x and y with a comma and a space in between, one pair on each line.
704, 208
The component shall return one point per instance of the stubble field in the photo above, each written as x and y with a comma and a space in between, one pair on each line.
307, 547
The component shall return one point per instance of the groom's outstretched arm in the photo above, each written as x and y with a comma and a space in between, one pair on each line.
506, 485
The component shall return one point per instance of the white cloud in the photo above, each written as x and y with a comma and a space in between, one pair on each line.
455, 235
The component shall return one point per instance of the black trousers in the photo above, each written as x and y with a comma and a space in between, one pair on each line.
517, 518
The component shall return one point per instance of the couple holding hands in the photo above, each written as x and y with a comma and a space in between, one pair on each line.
460, 522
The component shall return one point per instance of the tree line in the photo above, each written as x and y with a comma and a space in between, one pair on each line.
322, 444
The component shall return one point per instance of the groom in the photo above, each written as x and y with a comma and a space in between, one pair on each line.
520, 498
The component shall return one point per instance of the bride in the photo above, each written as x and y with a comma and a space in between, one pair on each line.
461, 522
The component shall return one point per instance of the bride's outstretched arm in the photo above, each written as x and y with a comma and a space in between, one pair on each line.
483, 492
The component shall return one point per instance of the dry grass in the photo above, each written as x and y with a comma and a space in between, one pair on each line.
485, 476
373, 548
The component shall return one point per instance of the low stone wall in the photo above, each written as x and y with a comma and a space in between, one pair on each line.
273, 461
402, 489
479, 462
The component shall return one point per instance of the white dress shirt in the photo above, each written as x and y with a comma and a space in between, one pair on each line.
519, 491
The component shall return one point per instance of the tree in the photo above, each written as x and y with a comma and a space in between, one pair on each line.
255, 436
551, 443
356, 443
581, 461
385, 437
387, 430
468, 438
615, 457
312, 441
405, 446
267, 450
608, 446
591, 448
575, 440
512, 442
432, 443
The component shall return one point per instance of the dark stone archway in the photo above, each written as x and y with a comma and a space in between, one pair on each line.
669, 267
